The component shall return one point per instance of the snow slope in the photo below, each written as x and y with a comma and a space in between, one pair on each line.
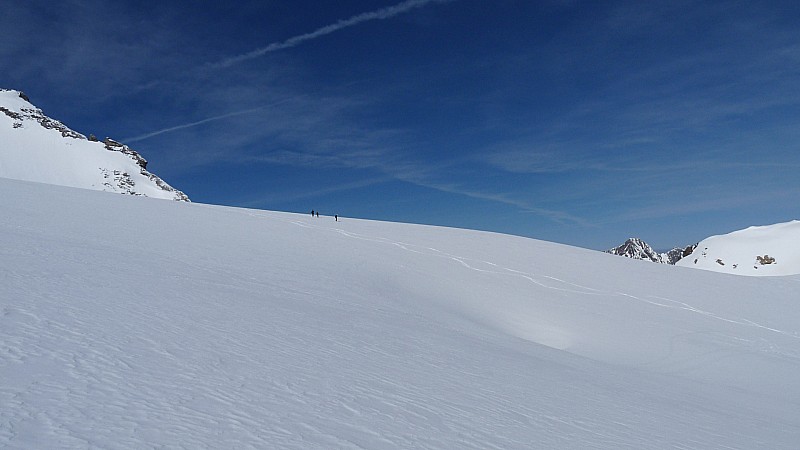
34, 147
131, 323
765, 250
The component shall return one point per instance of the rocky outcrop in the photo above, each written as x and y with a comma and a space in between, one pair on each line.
636, 248
30, 143
37, 115
114, 146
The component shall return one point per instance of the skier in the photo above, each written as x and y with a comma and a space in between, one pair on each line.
317, 213
312, 213
336, 216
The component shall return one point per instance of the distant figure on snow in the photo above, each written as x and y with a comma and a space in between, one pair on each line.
317, 213
312, 213
336, 216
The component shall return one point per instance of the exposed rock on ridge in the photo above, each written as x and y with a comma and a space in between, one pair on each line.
636, 248
35, 147
114, 146
36, 114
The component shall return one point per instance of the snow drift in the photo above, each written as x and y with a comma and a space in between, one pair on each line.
130, 323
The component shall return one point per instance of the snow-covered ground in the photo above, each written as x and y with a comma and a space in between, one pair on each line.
132, 323
756, 251
34, 147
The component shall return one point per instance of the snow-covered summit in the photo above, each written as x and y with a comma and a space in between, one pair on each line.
35, 147
763, 250
636, 248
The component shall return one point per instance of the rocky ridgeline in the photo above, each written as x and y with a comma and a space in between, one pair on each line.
114, 146
24, 115
636, 248
37, 115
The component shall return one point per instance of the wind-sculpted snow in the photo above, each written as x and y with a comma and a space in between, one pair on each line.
130, 323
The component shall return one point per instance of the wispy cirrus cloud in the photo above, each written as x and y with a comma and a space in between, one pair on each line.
710, 199
555, 215
383, 13
90, 44
238, 112
292, 196
194, 124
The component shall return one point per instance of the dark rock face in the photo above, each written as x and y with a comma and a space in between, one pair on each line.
636, 248
673, 256
12, 114
114, 146
44, 121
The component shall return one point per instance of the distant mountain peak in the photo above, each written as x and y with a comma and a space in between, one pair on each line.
35, 147
755, 251
636, 248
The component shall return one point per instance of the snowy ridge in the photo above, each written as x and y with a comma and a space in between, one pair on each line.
636, 248
213, 327
34, 147
755, 251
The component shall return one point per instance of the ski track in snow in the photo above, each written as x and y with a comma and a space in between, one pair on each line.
461, 260
686, 307
583, 290
191, 363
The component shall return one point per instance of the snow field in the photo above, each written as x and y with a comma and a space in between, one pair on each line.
127, 322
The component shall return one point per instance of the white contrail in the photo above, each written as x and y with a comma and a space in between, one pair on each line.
383, 13
192, 124
209, 119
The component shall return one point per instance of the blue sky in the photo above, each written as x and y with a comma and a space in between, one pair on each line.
576, 122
